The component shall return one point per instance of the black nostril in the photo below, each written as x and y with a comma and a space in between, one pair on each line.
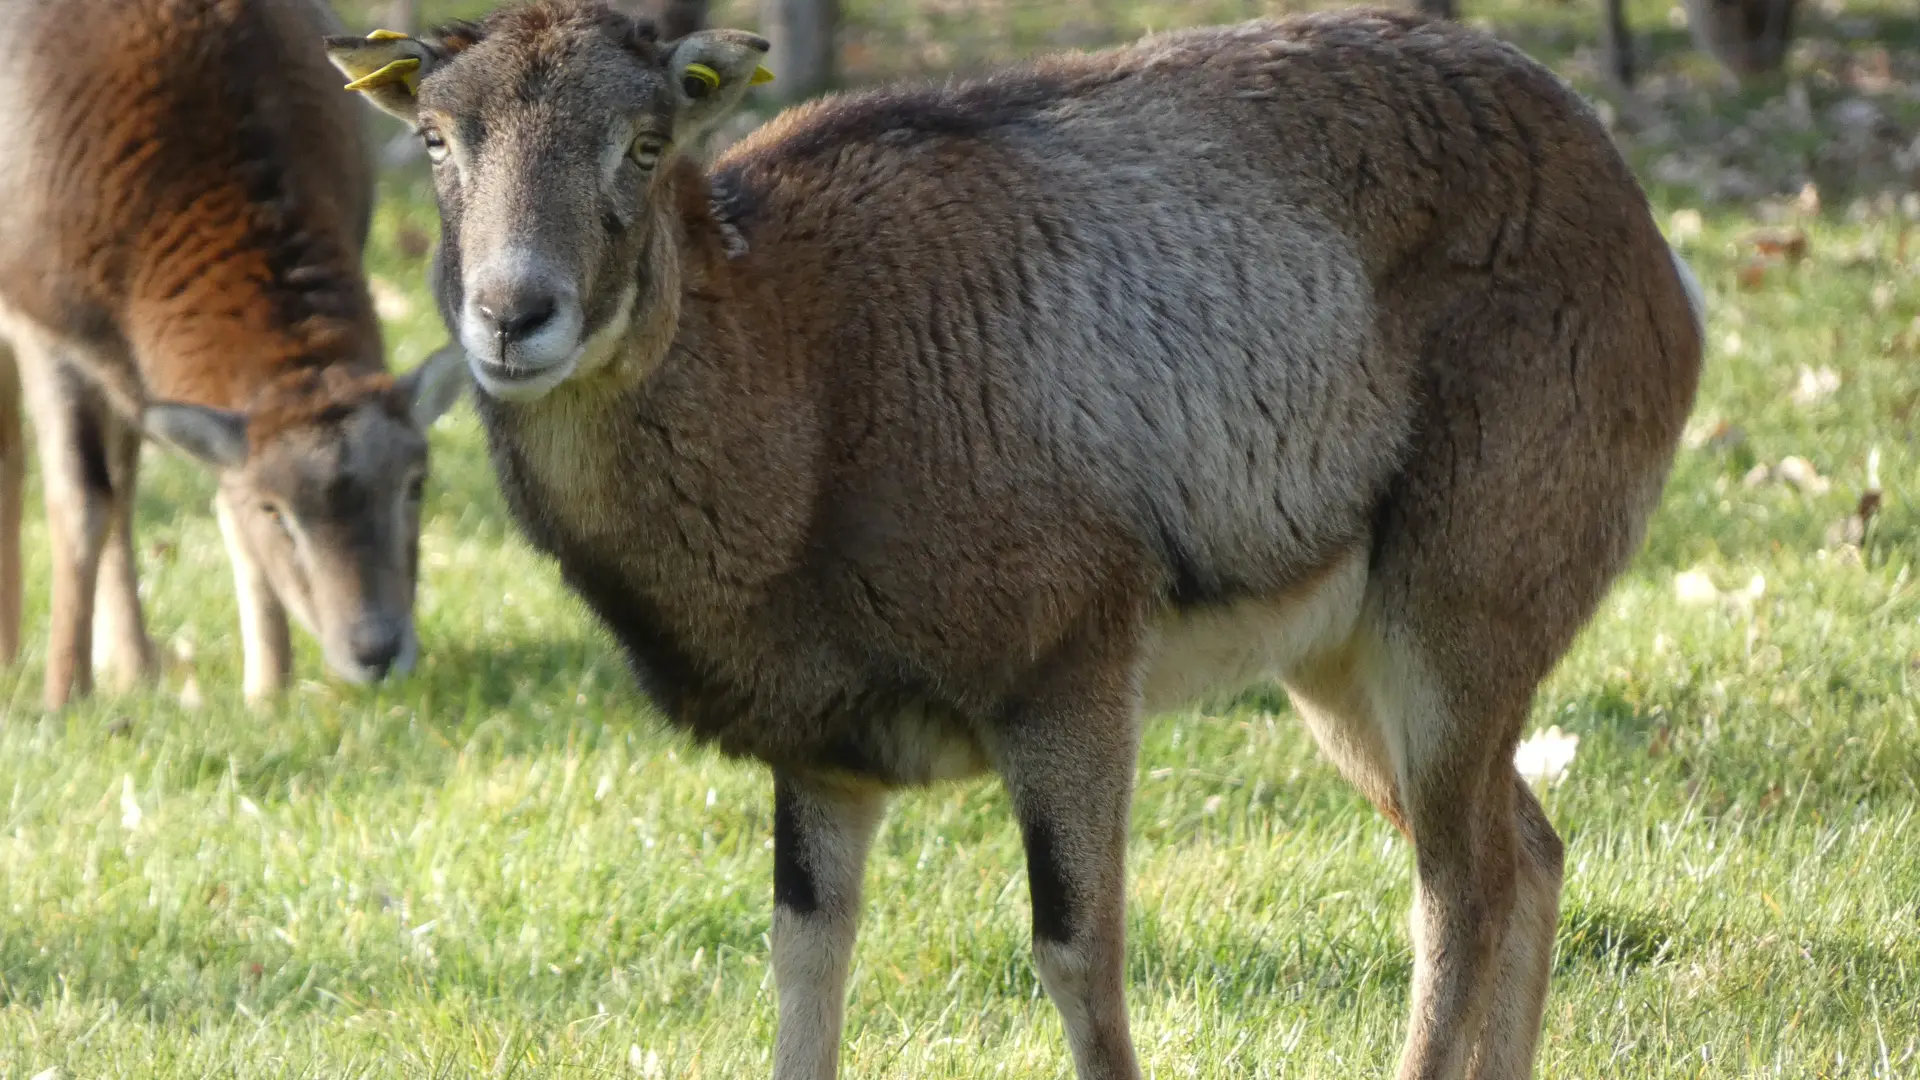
375, 644
378, 660
520, 318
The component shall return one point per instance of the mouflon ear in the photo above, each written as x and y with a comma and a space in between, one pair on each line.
386, 67
433, 387
710, 71
217, 438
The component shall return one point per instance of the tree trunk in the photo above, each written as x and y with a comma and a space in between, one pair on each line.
805, 37
1616, 42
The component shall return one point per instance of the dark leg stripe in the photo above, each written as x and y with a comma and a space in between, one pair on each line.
792, 885
1052, 896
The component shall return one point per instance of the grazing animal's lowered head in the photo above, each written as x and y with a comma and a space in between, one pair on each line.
320, 484
554, 131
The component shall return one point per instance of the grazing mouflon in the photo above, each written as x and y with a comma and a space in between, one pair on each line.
187, 198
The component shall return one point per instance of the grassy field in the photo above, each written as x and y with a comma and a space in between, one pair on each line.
503, 868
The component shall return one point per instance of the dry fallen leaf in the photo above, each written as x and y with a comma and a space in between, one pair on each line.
1545, 755
1788, 244
1694, 587
1815, 386
389, 302
130, 815
1685, 226
1753, 273
1851, 531
1741, 601
1798, 471
1868, 506
1718, 437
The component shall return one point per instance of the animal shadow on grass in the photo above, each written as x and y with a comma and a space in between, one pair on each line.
1284, 955
528, 692
1614, 939
170, 975
518, 699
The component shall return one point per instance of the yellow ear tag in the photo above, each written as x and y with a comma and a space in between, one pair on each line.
705, 74
387, 35
405, 70
760, 75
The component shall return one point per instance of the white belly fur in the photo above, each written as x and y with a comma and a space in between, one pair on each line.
1204, 655
1191, 659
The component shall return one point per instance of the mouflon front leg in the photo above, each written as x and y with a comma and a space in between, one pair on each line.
821, 833
1067, 758
266, 644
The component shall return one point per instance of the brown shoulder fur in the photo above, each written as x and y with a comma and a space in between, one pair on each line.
194, 195
317, 395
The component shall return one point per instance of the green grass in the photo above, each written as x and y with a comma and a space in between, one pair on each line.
502, 867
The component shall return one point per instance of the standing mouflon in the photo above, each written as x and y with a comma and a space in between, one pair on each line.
957, 429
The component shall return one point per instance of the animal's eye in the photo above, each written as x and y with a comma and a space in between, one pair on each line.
436, 145
417, 488
647, 150
272, 511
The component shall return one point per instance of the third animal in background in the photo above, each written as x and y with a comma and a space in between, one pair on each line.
1747, 37
187, 197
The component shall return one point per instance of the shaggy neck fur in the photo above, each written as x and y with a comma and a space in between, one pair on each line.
675, 484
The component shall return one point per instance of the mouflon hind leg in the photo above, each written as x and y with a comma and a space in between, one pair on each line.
1493, 548
1436, 758
77, 491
